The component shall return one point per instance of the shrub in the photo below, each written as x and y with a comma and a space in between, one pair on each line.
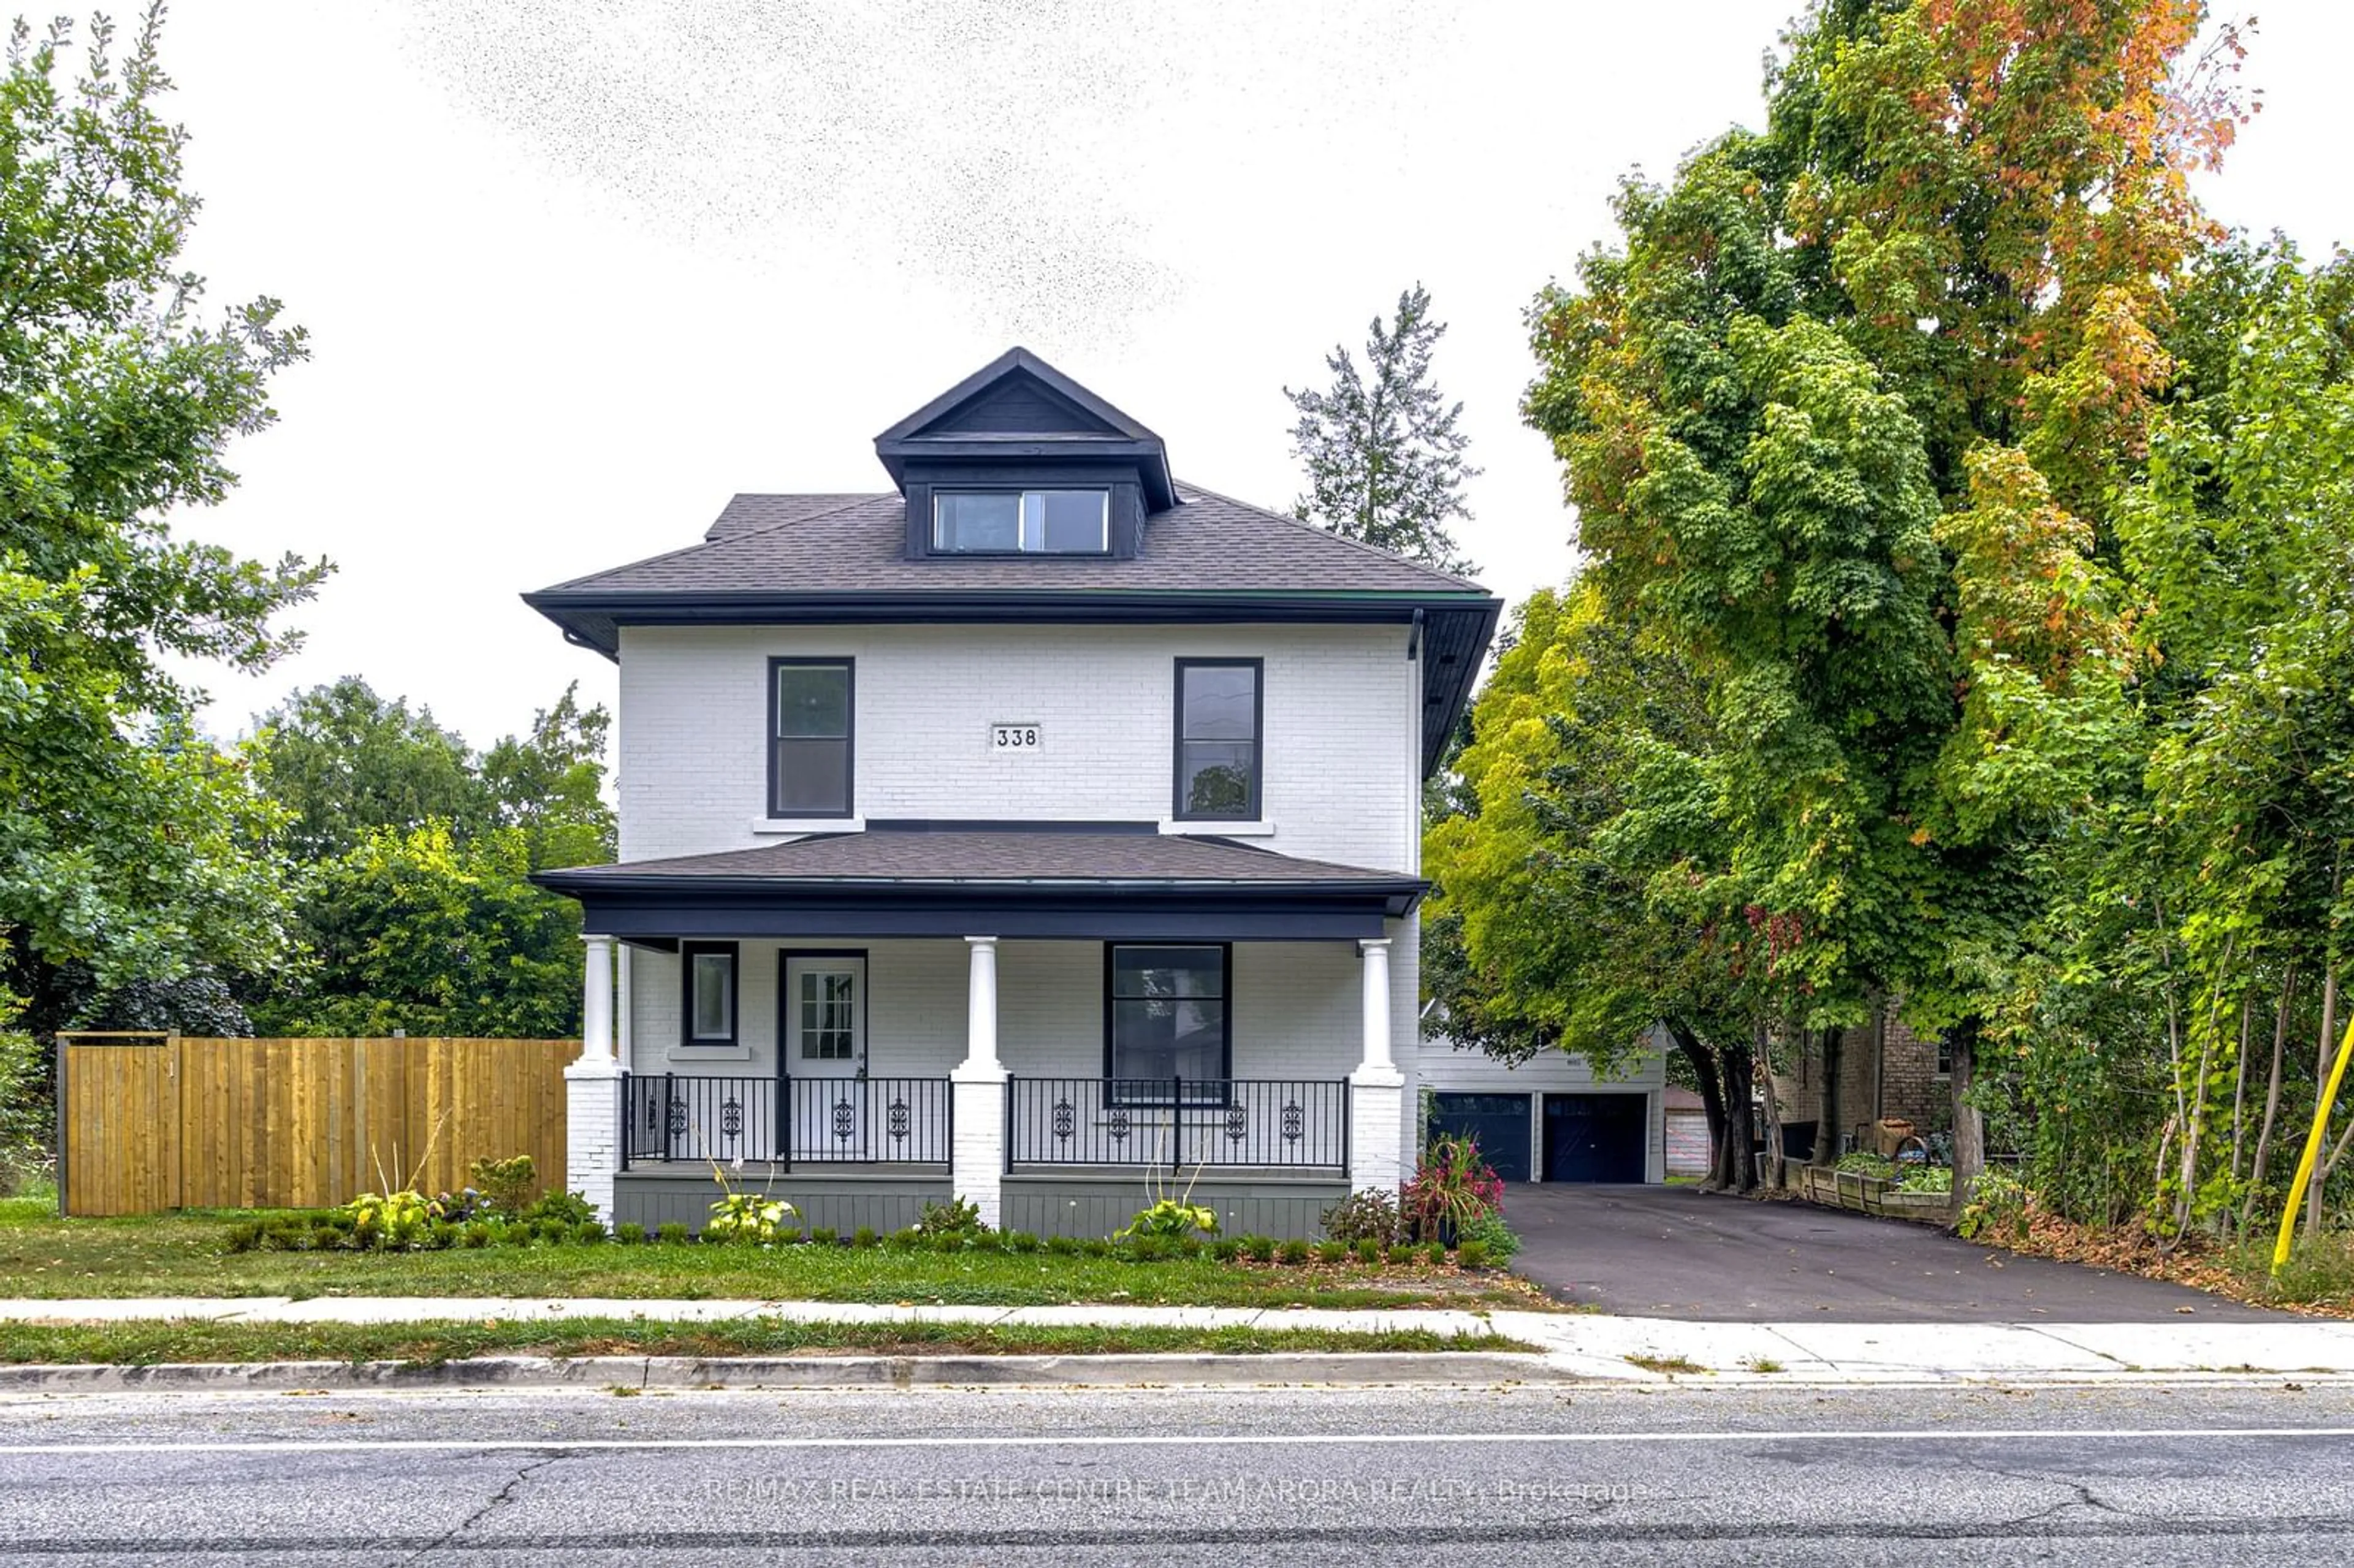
1454, 1187
865, 1237
1333, 1252
1405, 1254
824, 1236
1864, 1163
1096, 1246
1021, 1241
504, 1185
1259, 1249
478, 1233
1294, 1252
753, 1217
672, 1233
1369, 1251
516, 1235
1926, 1179
1226, 1251
986, 1241
958, 1216
1490, 1231
589, 1231
948, 1241
1368, 1213
907, 1238
459, 1207
245, 1238
564, 1208
1998, 1207
1147, 1249
441, 1235
1436, 1254
629, 1234
1063, 1246
1472, 1255
1170, 1218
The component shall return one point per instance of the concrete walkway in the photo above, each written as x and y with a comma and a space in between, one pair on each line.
1573, 1345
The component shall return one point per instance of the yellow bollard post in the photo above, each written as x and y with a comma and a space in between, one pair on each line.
2312, 1149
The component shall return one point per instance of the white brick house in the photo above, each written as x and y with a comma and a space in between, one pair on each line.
1032, 828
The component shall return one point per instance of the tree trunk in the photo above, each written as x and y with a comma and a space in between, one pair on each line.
1969, 1128
1705, 1069
1829, 1112
1740, 1124
1763, 1046
2259, 1172
2240, 1082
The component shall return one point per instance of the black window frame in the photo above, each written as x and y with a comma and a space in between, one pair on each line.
687, 953
932, 546
1256, 808
849, 667
1128, 1090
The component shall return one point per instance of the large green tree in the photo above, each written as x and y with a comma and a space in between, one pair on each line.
129, 844
1381, 447
414, 904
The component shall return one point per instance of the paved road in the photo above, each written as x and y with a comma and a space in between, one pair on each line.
1677, 1252
1169, 1476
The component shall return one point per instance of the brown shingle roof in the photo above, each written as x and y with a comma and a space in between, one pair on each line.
997, 856
821, 543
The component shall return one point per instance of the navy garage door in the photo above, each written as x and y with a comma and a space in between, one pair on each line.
1500, 1123
1595, 1138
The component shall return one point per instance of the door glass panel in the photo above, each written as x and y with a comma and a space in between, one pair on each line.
828, 1015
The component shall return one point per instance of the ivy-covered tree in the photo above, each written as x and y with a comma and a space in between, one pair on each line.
132, 848
1381, 446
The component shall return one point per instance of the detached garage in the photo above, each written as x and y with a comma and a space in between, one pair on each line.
1549, 1119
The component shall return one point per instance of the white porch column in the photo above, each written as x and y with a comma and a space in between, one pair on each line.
976, 1088
1376, 1089
592, 1087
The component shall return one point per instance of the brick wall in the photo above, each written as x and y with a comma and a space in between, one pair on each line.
1906, 1083
1340, 733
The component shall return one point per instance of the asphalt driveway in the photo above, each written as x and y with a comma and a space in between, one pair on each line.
1678, 1251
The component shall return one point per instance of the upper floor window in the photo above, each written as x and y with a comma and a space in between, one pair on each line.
1022, 522
808, 738
1218, 738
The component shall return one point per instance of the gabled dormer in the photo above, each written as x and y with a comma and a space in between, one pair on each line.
1018, 460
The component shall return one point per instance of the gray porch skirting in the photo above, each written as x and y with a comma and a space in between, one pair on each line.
1066, 1203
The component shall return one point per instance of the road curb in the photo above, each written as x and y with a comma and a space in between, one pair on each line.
634, 1372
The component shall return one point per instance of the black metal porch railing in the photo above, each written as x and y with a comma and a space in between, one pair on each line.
1284, 1123
854, 1121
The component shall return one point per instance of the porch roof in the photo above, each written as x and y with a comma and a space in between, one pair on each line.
995, 880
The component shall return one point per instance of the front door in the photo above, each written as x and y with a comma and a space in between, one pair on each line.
825, 1036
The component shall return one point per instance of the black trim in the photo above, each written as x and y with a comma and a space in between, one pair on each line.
784, 965
687, 953
1233, 915
849, 667
1257, 804
1226, 1005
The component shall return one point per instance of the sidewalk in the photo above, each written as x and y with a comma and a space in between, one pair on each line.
1576, 1346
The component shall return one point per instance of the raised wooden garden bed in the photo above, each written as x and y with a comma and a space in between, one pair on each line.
1867, 1194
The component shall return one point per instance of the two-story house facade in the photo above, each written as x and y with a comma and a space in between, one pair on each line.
1033, 828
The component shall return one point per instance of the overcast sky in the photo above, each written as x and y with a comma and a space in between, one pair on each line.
576, 270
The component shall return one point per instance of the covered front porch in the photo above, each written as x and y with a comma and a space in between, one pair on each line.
1051, 1050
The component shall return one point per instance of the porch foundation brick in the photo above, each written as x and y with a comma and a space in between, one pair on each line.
593, 1129
977, 1153
1376, 1127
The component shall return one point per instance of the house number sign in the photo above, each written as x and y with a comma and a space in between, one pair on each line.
1015, 737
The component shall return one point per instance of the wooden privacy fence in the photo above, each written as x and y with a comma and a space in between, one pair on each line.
148, 1122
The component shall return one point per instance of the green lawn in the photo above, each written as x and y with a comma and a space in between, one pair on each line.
149, 1342
184, 1254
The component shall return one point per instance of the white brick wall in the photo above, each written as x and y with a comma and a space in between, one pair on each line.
1341, 728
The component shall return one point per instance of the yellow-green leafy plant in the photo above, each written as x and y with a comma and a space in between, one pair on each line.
747, 1216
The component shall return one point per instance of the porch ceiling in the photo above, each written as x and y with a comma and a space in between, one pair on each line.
1113, 886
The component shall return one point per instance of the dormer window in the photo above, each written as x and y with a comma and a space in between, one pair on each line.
1021, 521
